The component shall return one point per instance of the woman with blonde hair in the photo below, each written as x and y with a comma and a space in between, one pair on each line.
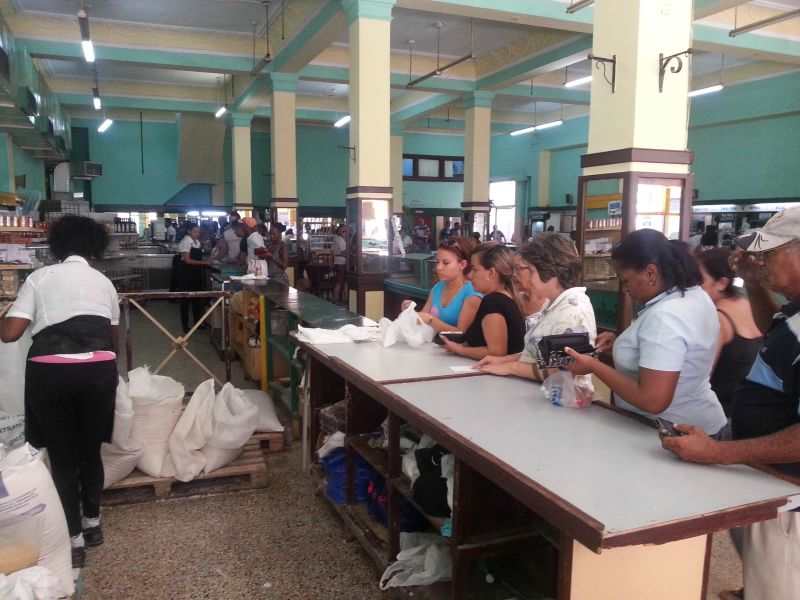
498, 327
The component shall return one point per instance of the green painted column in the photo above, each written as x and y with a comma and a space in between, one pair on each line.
6, 164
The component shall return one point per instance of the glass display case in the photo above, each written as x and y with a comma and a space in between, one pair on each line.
612, 206
369, 247
414, 269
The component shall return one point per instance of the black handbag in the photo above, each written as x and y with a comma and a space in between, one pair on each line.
551, 349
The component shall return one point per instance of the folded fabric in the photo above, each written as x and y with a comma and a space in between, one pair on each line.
344, 335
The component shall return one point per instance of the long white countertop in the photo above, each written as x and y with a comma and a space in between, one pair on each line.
609, 466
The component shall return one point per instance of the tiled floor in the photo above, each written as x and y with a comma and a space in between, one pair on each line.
280, 542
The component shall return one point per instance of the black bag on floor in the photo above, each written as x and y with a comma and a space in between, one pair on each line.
430, 488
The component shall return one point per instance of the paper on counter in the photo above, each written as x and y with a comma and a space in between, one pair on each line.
463, 369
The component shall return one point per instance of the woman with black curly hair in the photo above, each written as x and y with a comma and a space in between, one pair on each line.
71, 374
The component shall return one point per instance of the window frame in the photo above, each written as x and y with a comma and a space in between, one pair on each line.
438, 157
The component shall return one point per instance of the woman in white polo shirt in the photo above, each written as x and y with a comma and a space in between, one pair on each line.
663, 360
71, 373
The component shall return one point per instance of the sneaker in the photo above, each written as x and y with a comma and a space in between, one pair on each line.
93, 536
78, 557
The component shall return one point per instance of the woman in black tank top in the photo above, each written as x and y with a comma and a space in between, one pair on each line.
740, 338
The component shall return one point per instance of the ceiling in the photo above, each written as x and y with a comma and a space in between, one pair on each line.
115, 71
522, 104
219, 15
779, 4
321, 88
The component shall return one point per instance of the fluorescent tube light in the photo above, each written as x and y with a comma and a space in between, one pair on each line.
105, 125
98, 104
577, 82
88, 50
32, 119
537, 127
549, 125
221, 111
517, 132
707, 90
342, 122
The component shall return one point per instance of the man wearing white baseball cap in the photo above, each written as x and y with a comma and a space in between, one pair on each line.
766, 417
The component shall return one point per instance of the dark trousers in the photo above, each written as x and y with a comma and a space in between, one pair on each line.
198, 307
69, 409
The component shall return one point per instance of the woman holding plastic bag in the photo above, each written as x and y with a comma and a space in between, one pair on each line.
71, 374
548, 268
663, 360
498, 327
453, 301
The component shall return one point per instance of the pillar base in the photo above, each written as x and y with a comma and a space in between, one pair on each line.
366, 294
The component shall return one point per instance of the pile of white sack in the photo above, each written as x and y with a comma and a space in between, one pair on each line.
156, 434
35, 549
12, 392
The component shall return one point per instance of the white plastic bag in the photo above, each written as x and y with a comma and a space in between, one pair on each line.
424, 559
331, 443
33, 528
406, 328
12, 430
157, 406
561, 389
267, 418
257, 267
235, 420
34, 583
192, 432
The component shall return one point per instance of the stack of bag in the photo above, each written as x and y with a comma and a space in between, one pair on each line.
156, 434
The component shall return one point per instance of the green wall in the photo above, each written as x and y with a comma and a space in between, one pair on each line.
6, 176
32, 168
322, 166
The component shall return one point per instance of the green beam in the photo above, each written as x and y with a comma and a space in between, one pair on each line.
133, 102
547, 94
767, 47
539, 63
187, 61
420, 108
706, 8
295, 54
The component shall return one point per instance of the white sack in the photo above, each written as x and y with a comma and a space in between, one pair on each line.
13, 357
424, 559
192, 432
406, 328
235, 419
118, 462
123, 416
157, 406
33, 528
34, 583
267, 418
12, 430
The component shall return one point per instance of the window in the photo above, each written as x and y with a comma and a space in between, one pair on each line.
422, 167
503, 195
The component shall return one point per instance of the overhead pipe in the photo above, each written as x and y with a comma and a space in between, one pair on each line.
438, 71
792, 14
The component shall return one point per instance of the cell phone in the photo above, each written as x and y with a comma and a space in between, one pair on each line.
457, 337
667, 428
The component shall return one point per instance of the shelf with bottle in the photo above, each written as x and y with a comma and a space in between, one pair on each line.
610, 224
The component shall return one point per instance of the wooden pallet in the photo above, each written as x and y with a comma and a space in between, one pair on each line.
248, 471
270, 441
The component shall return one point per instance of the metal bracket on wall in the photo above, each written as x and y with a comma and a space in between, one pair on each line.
352, 150
663, 61
602, 61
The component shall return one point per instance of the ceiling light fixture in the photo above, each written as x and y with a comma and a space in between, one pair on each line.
224, 108
580, 4
343, 121
439, 70
105, 125
792, 14
533, 128
578, 81
707, 90
220, 111
98, 104
267, 58
86, 40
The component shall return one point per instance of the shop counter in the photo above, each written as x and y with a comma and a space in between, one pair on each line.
608, 513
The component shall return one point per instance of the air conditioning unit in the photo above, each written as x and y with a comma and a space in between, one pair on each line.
85, 170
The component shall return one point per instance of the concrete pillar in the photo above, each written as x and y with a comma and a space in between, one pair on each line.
369, 188
397, 171
283, 140
477, 156
242, 167
543, 179
637, 115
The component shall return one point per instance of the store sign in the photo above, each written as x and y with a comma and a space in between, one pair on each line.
615, 208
